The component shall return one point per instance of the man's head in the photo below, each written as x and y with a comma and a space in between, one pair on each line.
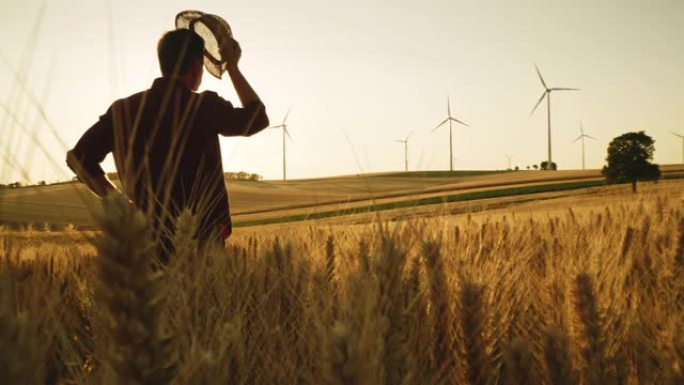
180, 54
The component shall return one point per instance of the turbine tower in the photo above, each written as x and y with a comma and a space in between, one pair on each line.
509, 157
547, 95
405, 141
449, 119
581, 137
283, 125
681, 136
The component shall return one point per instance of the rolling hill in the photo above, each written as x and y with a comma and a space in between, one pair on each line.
261, 202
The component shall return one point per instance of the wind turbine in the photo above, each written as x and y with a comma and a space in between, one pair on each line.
449, 119
547, 95
405, 141
509, 157
681, 136
581, 137
283, 125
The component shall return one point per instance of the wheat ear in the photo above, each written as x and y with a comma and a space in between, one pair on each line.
558, 358
128, 289
472, 325
588, 311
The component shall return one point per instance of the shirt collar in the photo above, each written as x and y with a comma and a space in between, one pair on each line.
162, 83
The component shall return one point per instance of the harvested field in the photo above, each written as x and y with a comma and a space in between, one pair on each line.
64, 204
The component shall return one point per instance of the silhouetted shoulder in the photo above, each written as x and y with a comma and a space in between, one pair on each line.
214, 101
129, 107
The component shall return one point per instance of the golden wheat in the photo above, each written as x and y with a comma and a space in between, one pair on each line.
578, 296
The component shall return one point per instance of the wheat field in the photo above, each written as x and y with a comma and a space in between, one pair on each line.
591, 296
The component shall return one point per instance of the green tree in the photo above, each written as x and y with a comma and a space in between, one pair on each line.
629, 157
545, 165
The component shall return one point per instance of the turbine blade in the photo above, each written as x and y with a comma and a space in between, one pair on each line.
590, 137
563, 89
448, 106
540, 76
278, 126
286, 115
288, 133
539, 102
440, 125
458, 121
578, 138
676, 134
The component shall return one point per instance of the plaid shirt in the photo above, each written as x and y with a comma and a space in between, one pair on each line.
166, 149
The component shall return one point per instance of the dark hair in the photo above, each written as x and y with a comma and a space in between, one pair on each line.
178, 49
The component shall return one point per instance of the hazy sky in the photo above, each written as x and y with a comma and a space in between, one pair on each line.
360, 74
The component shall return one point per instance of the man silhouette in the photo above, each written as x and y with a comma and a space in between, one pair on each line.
165, 141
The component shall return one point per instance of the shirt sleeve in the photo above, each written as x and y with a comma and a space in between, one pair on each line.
227, 120
93, 147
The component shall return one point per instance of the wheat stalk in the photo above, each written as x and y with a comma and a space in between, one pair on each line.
440, 298
519, 364
128, 288
22, 352
558, 357
588, 312
472, 317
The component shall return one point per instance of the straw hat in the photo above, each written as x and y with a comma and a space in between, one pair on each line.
217, 36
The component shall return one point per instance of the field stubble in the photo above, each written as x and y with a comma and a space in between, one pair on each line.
575, 297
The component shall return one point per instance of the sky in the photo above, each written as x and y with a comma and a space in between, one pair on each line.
359, 75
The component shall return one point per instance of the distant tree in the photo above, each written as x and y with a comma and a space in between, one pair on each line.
545, 166
241, 175
535, 166
517, 168
15, 185
628, 159
528, 166
41, 183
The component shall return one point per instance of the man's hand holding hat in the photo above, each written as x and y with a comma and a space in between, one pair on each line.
231, 52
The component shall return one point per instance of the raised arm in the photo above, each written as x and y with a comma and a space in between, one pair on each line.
84, 159
244, 90
256, 119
